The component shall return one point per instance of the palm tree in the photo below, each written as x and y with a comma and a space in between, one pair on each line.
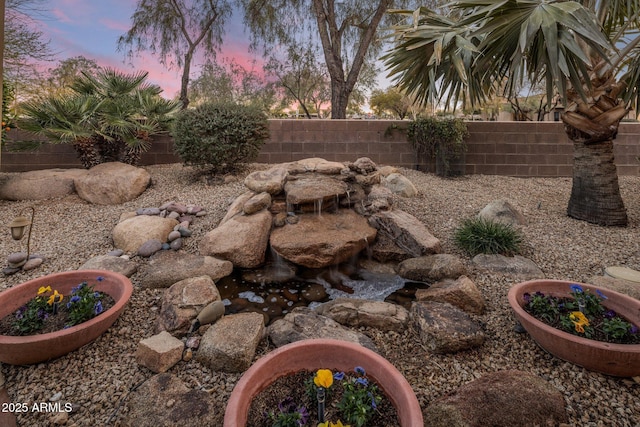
586, 52
109, 116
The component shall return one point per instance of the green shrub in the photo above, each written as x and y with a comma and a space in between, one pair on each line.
219, 137
440, 139
480, 236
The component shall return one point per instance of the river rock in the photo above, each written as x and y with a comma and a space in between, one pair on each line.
462, 293
111, 263
149, 247
399, 184
502, 211
432, 268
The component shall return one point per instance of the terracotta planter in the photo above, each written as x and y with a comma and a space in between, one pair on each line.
318, 354
622, 360
26, 350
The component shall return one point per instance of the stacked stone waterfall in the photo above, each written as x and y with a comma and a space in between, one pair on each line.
316, 213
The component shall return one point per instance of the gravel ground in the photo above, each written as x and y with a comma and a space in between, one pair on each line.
97, 378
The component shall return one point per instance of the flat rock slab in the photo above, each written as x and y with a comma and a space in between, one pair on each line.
431, 268
314, 189
41, 184
321, 240
314, 164
112, 183
168, 267
444, 328
111, 263
270, 181
516, 266
359, 312
624, 273
148, 405
304, 323
504, 398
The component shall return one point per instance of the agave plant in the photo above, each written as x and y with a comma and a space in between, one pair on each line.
109, 116
587, 53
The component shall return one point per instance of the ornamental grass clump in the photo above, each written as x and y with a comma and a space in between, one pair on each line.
50, 310
583, 314
481, 236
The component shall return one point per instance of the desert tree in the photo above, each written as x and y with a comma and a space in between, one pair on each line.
174, 30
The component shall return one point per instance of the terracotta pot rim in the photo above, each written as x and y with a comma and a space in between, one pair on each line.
517, 306
402, 396
119, 304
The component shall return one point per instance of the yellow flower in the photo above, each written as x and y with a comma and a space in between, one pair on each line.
42, 290
55, 296
579, 320
330, 424
323, 378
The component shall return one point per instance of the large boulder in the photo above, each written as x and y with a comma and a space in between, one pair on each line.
168, 267
444, 328
501, 399
321, 240
182, 302
230, 344
112, 183
358, 312
399, 184
502, 211
41, 184
111, 263
432, 268
462, 293
164, 399
130, 234
304, 323
406, 232
242, 239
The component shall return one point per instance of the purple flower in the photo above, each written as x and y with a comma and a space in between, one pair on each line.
526, 297
96, 294
373, 401
100, 278
576, 288
287, 405
362, 381
634, 329
304, 415
600, 294
610, 314
74, 298
97, 308
338, 376
360, 370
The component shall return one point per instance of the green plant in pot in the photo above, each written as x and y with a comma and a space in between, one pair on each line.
442, 140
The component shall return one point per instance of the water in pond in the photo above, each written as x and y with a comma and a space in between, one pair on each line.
277, 288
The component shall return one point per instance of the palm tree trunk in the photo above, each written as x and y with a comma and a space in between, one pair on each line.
595, 194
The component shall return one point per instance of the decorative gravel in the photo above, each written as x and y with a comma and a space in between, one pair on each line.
97, 378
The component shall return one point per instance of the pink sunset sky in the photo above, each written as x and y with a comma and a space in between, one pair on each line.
92, 28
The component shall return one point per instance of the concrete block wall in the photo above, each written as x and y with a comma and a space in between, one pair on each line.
524, 149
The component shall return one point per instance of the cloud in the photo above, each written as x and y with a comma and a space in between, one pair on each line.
112, 24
